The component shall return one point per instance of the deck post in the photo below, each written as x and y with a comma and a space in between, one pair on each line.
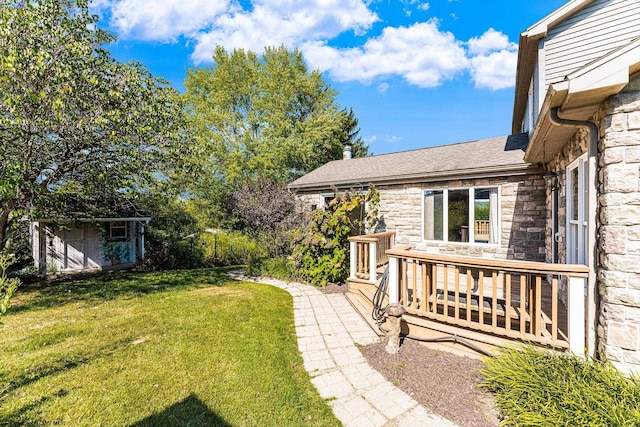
353, 259
373, 261
393, 288
576, 314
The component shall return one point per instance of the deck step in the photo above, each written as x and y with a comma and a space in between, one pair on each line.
364, 307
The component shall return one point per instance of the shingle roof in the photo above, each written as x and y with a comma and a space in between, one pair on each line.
491, 155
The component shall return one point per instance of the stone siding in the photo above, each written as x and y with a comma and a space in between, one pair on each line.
619, 230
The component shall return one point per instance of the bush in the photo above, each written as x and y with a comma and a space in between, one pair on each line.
7, 286
170, 254
228, 248
277, 268
321, 250
535, 387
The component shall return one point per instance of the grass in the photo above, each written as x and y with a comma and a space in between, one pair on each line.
535, 387
151, 349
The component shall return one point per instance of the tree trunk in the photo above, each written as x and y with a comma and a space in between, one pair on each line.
4, 226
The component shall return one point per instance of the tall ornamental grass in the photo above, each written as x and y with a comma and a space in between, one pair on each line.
536, 387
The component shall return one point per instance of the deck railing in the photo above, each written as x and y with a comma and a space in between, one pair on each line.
369, 252
506, 298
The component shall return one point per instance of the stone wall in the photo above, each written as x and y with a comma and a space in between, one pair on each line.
619, 230
523, 217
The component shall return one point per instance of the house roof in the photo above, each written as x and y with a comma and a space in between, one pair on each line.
579, 96
487, 157
528, 54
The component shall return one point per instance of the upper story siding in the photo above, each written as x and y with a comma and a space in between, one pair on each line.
587, 35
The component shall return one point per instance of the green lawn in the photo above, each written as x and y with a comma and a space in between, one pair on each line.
174, 348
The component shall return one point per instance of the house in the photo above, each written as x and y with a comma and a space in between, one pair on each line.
80, 244
568, 234
489, 175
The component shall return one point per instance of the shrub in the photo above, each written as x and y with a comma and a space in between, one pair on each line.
321, 249
277, 268
7, 286
535, 387
228, 248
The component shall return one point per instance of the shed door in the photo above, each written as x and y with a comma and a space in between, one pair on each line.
73, 248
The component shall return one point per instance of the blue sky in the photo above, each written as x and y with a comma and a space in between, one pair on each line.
416, 73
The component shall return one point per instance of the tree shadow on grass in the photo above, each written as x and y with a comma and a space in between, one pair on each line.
109, 286
189, 412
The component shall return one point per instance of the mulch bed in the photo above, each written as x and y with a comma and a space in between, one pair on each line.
442, 382
445, 383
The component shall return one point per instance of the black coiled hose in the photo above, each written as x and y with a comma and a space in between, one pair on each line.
378, 315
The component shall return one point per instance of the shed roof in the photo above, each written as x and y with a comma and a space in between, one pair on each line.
487, 157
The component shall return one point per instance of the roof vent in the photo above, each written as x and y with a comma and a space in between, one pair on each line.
346, 154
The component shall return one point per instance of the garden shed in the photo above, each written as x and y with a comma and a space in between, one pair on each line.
87, 243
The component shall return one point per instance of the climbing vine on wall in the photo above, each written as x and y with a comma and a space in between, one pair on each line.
321, 250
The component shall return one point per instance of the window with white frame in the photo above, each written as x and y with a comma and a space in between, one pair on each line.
462, 215
577, 209
118, 230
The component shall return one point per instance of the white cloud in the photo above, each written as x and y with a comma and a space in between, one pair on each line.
490, 41
224, 22
392, 139
383, 87
493, 60
163, 20
370, 139
422, 54
288, 22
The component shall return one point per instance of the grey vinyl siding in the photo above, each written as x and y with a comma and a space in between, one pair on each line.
588, 35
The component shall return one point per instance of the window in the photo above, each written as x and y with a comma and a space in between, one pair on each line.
118, 230
461, 215
577, 206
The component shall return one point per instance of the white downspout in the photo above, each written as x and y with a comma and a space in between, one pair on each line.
593, 133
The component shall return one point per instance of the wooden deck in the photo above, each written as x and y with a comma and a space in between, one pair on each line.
484, 298
489, 301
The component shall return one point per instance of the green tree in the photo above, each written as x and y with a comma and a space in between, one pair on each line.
262, 118
79, 131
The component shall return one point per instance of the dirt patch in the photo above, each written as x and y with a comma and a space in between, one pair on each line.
442, 382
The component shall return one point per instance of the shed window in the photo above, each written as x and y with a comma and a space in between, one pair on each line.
118, 230
461, 215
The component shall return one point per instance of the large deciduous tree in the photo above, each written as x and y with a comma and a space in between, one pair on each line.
264, 118
78, 130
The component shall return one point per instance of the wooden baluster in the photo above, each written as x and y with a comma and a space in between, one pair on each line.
538, 310
554, 308
456, 293
507, 283
481, 297
445, 291
434, 284
414, 284
494, 301
426, 287
405, 284
523, 307
469, 285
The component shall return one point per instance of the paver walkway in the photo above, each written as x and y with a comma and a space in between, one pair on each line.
329, 329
